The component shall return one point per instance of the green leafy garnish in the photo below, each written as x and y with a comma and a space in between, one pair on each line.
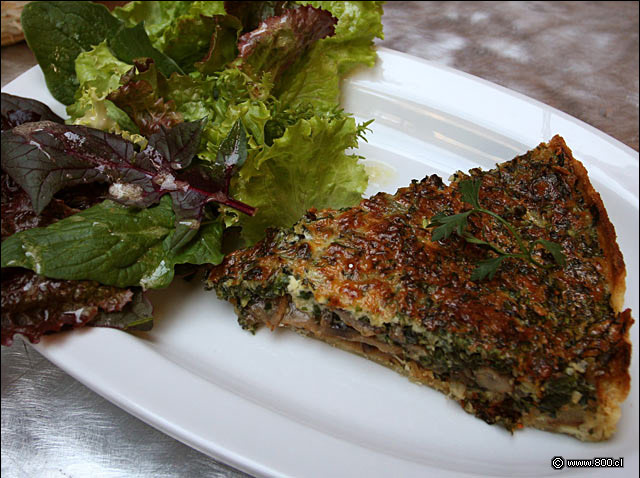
114, 245
458, 223
57, 32
307, 167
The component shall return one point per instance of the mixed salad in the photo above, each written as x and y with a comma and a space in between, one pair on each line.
187, 121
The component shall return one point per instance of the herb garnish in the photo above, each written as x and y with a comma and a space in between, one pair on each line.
447, 225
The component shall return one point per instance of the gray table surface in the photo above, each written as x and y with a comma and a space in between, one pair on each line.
579, 57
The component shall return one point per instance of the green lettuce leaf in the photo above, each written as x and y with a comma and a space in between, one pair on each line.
100, 69
200, 38
95, 112
222, 44
307, 167
253, 114
315, 78
182, 30
189, 23
57, 32
251, 14
114, 245
157, 16
129, 44
279, 41
98, 72
152, 100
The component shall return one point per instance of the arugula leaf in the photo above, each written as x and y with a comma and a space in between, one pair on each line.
57, 32
307, 167
17, 110
113, 244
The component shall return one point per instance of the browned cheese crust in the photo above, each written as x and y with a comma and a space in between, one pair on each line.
532, 346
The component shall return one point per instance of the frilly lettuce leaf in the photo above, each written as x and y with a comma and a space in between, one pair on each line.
98, 72
157, 16
182, 30
315, 78
251, 14
222, 43
279, 41
142, 96
194, 38
307, 167
95, 112
100, 69
152, 100
254, 115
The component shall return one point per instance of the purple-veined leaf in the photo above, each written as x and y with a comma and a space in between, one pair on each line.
280, 40
18, 214
33, 305
45, 157
141, 97
17, 110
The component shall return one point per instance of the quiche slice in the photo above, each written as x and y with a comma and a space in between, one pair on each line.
546, 347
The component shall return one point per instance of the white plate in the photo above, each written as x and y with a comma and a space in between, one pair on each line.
277, 404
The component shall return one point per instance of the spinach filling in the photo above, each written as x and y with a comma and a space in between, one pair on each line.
450, 357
